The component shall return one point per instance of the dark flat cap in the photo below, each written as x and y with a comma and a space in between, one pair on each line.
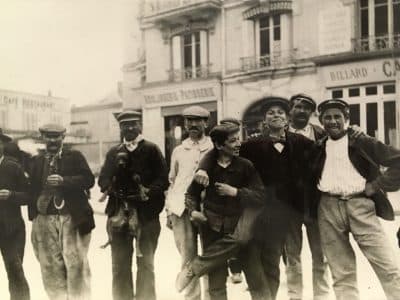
333, 103
52, 128
230, 121
3, 137
276, 101
304, 98
129, 115
196, 111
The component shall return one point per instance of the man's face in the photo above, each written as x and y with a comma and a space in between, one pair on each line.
231, 146
130, 129
195, 127
300, 113
334, 122
53, 141
276, 117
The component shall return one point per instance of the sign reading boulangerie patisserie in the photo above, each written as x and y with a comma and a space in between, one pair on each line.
362, 72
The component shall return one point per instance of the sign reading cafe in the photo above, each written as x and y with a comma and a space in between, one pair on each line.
204, 93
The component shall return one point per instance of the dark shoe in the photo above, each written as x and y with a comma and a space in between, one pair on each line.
184, 278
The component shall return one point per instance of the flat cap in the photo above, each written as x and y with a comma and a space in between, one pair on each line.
4, 138
276, 101
128, 115
52, 128
196, 111
230, 121
303, 98
333, 103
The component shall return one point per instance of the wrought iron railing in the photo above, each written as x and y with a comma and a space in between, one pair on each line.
376, 43
157, 6
189, 73
274, 60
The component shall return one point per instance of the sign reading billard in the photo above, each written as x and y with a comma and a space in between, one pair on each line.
202, 94
361, 73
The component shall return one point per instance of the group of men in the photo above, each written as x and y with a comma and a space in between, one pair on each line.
247, 201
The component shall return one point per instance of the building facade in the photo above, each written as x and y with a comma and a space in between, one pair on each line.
21, 114
227, 55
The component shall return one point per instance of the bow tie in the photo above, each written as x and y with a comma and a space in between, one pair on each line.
281, 139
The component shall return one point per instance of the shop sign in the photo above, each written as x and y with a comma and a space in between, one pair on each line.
27, 103
361, 73
202, 94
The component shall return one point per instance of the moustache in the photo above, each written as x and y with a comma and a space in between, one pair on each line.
194, 128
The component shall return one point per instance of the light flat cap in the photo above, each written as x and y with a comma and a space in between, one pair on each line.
196, 111
230, 120
52, 128
129, 115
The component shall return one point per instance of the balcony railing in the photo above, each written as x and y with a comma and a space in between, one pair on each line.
376, 43
152, 7
277, 59
189, 73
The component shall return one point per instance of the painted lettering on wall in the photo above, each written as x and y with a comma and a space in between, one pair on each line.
348, 74
391, 67
27, 103
181, 95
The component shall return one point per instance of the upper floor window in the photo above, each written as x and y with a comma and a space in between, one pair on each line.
268, 38
379, 24
189, 56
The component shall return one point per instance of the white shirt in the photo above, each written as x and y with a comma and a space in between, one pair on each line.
339, 175
307, 131
185, 160
132, 145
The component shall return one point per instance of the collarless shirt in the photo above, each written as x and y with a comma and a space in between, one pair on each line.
307, 131
339, 176
184, 163
132, 145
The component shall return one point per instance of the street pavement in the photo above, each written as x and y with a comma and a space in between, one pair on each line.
167, 265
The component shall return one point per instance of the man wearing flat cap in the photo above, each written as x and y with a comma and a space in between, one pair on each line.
352, 194
13, 194
302, 107
184, 162
144, 165
62, 216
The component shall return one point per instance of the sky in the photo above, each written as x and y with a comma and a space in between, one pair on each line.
75, 48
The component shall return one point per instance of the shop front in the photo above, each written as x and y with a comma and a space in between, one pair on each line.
372, 90
163, 105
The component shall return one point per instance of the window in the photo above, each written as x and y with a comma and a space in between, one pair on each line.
355, 114
379, 24
354, 92
371, 90
269, 37
389, 89
189, 55
337, 94
389, 116
372, 119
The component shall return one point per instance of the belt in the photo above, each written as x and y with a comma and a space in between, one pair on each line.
344, 197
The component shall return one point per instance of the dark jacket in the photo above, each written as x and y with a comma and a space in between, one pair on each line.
147, 162
13, 179
367, 155
78, 178
319, 132
223, 212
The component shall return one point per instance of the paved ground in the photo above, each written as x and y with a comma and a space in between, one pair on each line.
167, 265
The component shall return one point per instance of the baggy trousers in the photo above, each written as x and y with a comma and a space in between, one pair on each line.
62, 254
12, 250
293, 247
337, 219
121, 256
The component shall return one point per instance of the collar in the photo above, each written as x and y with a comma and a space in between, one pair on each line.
1, 159
203, 143
281, 139
138, 139
306, 129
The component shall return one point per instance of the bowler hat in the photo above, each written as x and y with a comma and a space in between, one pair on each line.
196, 111
128, 115
333, 103
276, 101
304, 98
4, 138
52, 129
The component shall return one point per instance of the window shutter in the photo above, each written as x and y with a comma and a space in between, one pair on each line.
176, 53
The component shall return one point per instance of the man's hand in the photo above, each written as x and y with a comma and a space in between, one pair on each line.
224, 189
369, 189
201, 177
4, 194
198, 217
355, 131
144, 192
169, 222
55, 180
